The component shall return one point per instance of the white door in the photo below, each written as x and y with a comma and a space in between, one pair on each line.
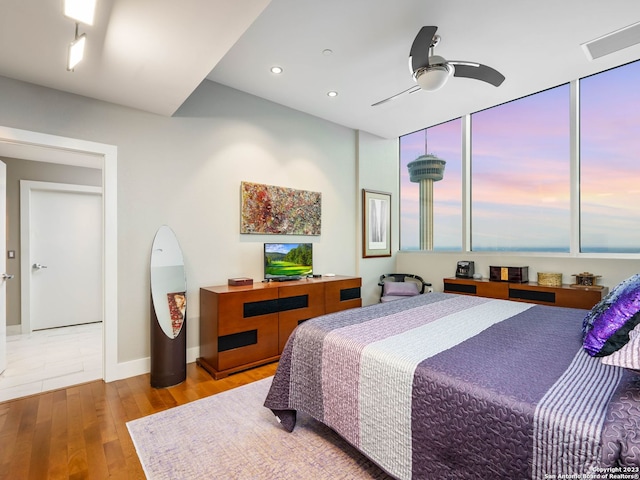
3, 265
65, 255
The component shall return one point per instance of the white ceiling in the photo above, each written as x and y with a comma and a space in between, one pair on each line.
152, 54
145, 54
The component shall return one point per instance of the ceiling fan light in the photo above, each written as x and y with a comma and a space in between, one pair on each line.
434, 77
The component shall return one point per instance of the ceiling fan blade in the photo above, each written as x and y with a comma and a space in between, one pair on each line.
412, 89
419, 53
477, 71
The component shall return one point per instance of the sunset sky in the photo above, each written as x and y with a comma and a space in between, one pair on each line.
520, 171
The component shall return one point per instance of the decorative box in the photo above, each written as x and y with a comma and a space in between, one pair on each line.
509, 274
547, 279
236, 282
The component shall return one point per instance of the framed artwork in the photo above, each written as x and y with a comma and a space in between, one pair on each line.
376, 224
268, 209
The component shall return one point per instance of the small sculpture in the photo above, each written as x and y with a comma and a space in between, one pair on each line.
586, 279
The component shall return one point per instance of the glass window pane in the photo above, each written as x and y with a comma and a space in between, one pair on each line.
520, 164
443, 141
609, 166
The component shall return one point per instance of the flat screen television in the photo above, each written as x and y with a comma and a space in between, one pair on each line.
287, 260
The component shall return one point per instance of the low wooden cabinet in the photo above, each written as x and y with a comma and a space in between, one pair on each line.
560, 296
246, 326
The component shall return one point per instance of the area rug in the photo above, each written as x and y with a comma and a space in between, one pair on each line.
231, 435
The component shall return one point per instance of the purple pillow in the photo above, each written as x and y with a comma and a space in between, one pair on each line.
606, 327
401, 289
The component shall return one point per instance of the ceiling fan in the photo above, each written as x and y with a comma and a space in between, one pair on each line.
431, 72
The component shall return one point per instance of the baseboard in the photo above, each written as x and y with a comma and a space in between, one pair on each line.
192, 354
132, 368
142, 366
14, 329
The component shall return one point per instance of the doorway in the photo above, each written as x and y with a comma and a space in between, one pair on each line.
28, 145
55, 311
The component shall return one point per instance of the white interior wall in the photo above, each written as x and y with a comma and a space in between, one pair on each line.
377, 170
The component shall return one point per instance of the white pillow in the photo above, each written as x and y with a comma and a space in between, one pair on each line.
629, 355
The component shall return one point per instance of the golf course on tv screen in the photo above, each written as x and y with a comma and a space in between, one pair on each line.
287, 259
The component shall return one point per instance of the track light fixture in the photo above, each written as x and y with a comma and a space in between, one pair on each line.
82, 11
76, 50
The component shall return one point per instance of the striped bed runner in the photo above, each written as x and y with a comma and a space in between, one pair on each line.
572, 413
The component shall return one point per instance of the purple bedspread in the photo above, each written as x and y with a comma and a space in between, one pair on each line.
443, 386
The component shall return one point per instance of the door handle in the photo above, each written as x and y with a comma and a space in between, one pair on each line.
37, 266
6, 276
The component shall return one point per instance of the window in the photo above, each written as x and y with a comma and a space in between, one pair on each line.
520, 174
609, 166
441, 142
520, 185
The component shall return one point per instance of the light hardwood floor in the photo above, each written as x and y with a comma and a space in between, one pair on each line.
80, 432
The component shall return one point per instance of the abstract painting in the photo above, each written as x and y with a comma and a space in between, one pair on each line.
268, 209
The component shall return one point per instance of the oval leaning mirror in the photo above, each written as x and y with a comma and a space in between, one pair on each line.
168, 282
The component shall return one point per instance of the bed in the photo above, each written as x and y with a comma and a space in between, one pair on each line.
446, 386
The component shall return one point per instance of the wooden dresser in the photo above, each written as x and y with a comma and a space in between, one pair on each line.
246, 326
561, 296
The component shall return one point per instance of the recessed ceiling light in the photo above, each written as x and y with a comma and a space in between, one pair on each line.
276, 70
327, 51
332, 94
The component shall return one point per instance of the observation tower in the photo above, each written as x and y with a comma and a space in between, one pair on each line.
425, 170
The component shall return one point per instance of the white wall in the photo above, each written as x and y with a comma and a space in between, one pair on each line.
185, 172
433, 267
377, 170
